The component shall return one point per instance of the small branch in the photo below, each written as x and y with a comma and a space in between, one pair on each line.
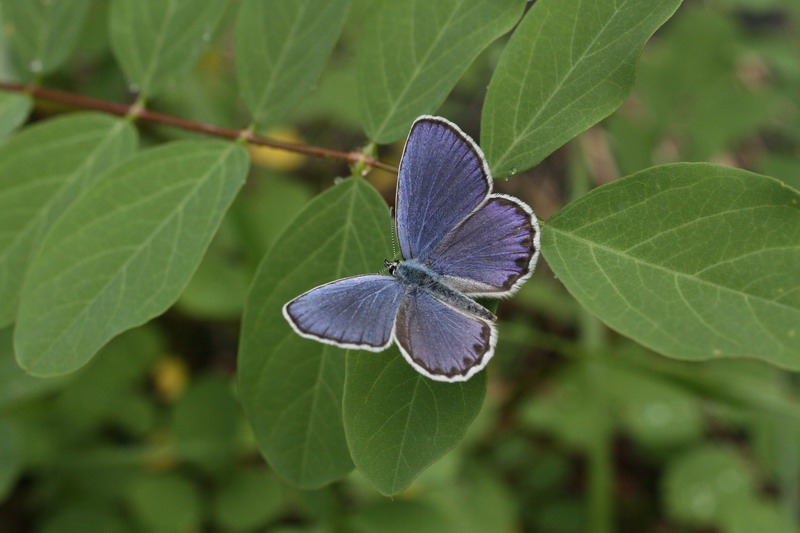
122, 110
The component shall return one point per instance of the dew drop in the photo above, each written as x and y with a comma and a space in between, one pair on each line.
513, 171
132, 87
36, 65
206, 36
337, 181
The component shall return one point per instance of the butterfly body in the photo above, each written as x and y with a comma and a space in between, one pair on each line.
418, 277
458, 241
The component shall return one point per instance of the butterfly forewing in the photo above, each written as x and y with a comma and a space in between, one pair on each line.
356, 312
442, 178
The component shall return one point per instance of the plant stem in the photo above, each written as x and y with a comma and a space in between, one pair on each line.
140, 113
787, 436
600, 484
600, 453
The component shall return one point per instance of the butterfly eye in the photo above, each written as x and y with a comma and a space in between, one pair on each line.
390, 265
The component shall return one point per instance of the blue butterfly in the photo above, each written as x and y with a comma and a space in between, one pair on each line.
458, 241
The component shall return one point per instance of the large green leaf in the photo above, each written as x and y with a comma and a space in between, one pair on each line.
692, 260
14, 109
156, 41
43, 169
569, 64
399, 422
413, 52
43, 32
124, 251
281, 48
291, 387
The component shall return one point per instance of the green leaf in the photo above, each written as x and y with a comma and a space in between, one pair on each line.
400, 517
703, 485
247, 500
157, 41
14, 110
291, 387
11, 457
399, 422
103, 392
477, 501
15, 385
655, 412
692, 260
757, 515
562, 410
413, 52
43, 32
165, 503
43, 169
124, 251
281, 48
84, 515
568, 64
259, 215
204, 422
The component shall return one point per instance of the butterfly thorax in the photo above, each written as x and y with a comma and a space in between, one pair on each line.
419, 277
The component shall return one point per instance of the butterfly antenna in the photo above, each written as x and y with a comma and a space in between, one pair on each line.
392, 232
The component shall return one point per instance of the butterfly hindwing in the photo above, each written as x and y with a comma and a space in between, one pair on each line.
440, 341
443, 177
356, 312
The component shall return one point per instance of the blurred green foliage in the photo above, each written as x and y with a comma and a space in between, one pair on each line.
149, 436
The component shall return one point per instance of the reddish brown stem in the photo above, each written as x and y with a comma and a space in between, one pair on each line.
84, 102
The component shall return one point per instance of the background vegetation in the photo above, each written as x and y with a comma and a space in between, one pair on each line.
114, 420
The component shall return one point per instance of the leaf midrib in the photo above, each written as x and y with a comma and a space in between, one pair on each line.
145, 244
323, 355
690, 277
412, 79
555, 91
266, 92
45, 209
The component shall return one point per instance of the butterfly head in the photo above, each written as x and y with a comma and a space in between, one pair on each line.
390, 265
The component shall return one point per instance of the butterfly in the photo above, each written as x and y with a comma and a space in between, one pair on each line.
458, 241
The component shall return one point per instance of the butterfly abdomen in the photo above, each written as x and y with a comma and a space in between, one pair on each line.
421, 278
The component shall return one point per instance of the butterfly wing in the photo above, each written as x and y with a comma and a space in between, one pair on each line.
356, 312
493, 251
441, 342
443, 177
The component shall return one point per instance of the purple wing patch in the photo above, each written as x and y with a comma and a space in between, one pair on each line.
493, 251
442, 178
356, 312
441, 342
